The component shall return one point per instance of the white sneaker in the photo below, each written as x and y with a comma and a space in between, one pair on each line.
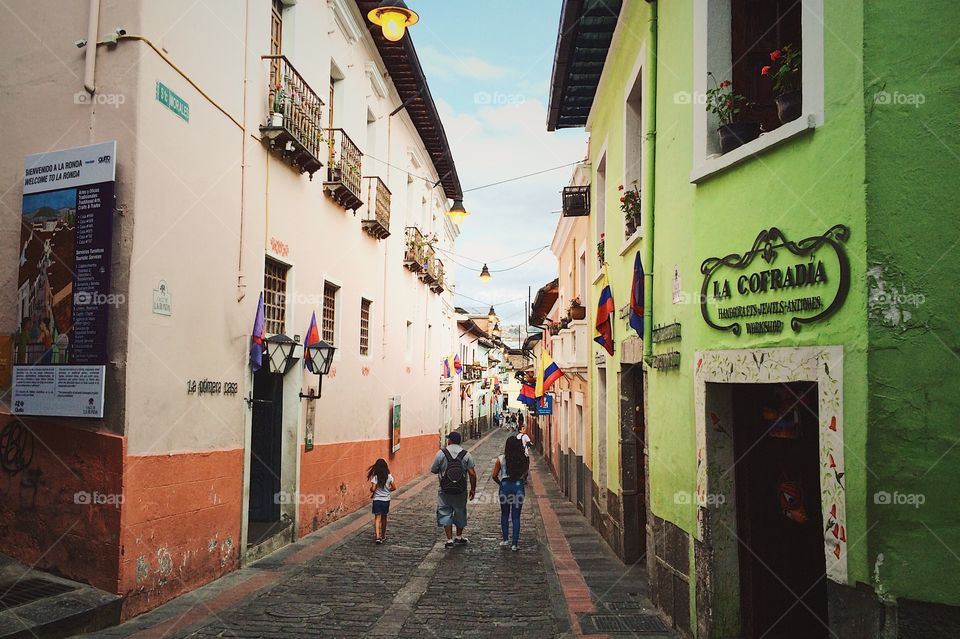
514, 548
504, 543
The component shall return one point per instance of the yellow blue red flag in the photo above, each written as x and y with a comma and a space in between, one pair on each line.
605, 313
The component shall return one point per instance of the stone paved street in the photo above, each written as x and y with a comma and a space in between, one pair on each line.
337, 583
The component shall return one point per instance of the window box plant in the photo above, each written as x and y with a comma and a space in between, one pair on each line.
727, 106
630, 206
600, 249
577, 310
785, 73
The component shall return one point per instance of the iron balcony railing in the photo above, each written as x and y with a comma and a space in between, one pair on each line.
343, 169
576, 201
428, 274
295, 122
376, 217
439, 284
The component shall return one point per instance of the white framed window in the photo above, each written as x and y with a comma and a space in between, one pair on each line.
365, 315
275, 296
329, 314
633, 145
600, 186
733, 40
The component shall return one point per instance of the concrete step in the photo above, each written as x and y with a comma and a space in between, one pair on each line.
41, 605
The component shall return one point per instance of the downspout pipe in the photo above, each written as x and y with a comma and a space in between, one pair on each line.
90, 57
648, 196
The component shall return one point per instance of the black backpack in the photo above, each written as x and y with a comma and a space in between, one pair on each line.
453, 481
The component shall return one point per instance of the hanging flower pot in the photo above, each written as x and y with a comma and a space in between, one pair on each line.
789, 106
737, 134
578, 312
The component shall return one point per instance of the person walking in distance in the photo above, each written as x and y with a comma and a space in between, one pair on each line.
381, 485
454, 465
524, 439
510, 472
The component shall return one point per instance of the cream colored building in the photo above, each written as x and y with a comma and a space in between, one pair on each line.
261, 146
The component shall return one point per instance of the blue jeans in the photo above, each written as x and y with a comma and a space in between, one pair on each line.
511, 501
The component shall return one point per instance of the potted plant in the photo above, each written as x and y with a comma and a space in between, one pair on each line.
785, 73
630, 206
727, 105
279, 99
553, 328
600, 246
577, 310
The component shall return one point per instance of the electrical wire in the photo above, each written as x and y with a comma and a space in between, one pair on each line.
500, 270
520, 177
517, 299
488, 262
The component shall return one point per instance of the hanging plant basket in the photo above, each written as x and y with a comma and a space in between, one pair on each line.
737, 134
578, 312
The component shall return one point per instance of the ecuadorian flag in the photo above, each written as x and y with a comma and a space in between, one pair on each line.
312, 337
547, 373
605, 313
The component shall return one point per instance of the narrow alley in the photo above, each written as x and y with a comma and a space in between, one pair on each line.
563, 582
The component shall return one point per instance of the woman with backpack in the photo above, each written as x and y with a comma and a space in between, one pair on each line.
510, 471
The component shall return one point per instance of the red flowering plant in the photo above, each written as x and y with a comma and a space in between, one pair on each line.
630, 206
722, 101
784, 70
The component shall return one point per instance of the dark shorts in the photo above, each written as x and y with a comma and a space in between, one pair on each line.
381, 507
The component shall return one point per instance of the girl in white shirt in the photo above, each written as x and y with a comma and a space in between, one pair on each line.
381, 485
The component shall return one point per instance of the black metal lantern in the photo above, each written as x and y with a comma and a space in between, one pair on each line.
321, 356
281, 353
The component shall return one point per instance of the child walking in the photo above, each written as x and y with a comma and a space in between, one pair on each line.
381, 485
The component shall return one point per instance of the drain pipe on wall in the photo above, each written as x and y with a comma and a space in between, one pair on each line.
90, 55
649, 178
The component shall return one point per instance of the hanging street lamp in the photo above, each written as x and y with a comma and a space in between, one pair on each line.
320, 355
393, 17
457, 213
485, 274
492, 316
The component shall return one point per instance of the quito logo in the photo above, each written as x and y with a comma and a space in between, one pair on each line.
796, 282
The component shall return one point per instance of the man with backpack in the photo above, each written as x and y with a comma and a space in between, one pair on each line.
454, 465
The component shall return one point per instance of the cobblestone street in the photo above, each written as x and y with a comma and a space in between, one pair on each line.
338, 583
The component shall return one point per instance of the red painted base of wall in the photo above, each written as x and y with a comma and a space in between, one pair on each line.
181, 524
333, 477
61, 513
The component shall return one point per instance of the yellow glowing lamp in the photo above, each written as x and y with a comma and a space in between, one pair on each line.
457, 213
393, 17
485, 274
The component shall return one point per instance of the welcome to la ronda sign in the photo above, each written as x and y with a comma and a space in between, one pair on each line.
802, 282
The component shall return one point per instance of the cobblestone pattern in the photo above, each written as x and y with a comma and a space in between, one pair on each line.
478, 590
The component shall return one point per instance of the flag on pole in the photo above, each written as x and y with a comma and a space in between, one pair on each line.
312, 337
451, 366
636, 297
457, 364
257, 337
605, 313
527, 395
547, 373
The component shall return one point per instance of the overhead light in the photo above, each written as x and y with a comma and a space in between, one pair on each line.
492, 316
485, 274
393, 17
457, 213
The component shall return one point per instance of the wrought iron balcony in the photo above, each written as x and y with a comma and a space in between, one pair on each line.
376, 217
414, 253
576, 201
343, 170
294, 127
439, 285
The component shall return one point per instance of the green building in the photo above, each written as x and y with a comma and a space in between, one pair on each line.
782, 446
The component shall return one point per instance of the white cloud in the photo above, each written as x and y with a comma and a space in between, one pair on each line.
450, 66
497, 143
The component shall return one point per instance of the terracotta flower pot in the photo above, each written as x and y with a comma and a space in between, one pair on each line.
578, 312
737, 134
789, 106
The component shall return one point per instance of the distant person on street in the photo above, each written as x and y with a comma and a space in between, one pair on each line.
510, 472
454, 465
381, 485
524, 439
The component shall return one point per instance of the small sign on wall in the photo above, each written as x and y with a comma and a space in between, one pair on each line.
395, 425
310, 422
162, 303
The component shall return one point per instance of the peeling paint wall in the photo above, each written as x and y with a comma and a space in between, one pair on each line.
913, 142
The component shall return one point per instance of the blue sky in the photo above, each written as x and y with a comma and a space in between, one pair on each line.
488, 65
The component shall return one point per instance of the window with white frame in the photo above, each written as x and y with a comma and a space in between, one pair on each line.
274, 296
365, 305
632, 156
601, 208
747, 43
328, 329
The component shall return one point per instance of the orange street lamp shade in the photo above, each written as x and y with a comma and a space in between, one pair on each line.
393, 17
485, 274
457, 213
